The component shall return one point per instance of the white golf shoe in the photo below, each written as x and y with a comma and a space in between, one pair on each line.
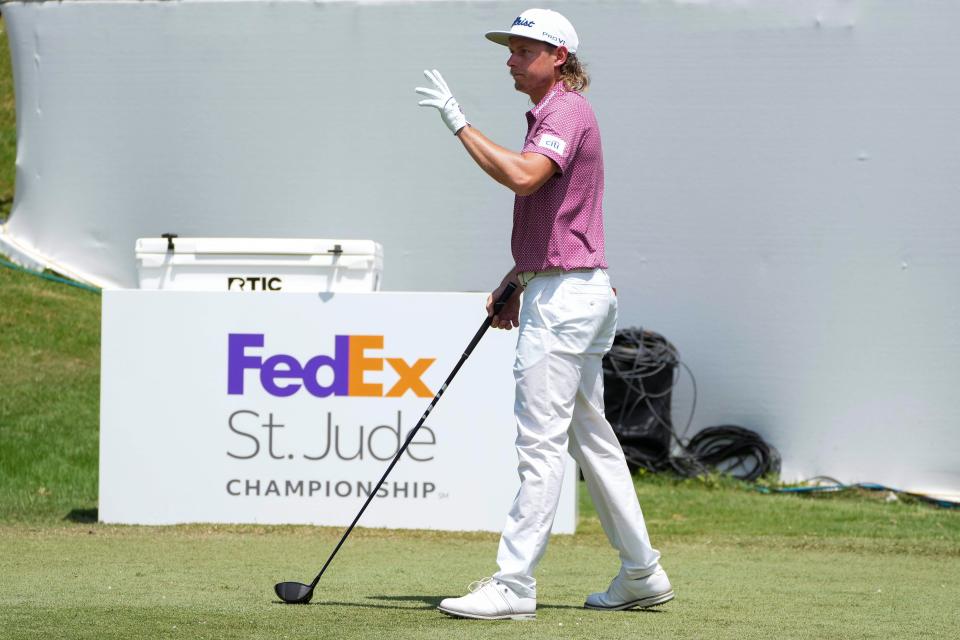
490, 599
625, 593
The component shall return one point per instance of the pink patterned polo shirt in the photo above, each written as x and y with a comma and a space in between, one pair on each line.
561, 225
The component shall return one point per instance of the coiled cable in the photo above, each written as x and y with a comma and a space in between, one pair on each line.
641, 371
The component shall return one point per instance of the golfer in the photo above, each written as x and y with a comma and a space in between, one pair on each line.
567, 321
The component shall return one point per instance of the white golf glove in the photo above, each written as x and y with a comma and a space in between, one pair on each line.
440, 98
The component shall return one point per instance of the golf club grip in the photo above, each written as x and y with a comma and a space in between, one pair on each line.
498, 305
504, 298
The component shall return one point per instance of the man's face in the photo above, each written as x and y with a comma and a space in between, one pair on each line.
533, 64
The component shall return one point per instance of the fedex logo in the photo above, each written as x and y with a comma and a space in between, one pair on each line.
283, 375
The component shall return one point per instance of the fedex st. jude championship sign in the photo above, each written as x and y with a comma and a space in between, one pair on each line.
288, 407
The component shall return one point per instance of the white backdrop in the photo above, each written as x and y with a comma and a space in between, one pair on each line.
781, 198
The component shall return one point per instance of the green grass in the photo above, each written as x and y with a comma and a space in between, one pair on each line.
8, 130
49, 403
744, 564
121, 582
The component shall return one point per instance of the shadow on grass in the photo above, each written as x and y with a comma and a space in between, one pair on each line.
86, 516
431, 602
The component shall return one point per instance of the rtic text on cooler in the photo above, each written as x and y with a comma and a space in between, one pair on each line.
254, 283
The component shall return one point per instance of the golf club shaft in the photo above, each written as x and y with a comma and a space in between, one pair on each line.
498, 306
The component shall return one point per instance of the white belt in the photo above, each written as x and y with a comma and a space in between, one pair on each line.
526, 276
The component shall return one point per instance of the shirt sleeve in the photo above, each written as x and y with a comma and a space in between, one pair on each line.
557, 136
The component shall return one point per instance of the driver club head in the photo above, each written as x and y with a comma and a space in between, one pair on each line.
294, 592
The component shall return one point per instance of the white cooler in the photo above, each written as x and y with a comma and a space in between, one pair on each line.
259, 264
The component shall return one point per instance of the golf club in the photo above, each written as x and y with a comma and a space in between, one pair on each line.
299, 593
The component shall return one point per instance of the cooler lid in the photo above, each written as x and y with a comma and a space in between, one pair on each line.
266, 246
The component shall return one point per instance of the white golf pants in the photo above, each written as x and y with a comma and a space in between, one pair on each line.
567, 324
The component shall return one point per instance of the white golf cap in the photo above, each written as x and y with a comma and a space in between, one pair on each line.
540, 24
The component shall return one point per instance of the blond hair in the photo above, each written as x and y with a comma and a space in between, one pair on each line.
574, 75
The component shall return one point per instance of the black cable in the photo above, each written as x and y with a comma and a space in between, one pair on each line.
734, 450
648, 368
640, 371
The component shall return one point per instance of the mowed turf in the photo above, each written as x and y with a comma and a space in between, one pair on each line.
197, 582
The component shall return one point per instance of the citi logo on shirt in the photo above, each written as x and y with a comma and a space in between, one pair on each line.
552, 142
283, 375
522, 22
